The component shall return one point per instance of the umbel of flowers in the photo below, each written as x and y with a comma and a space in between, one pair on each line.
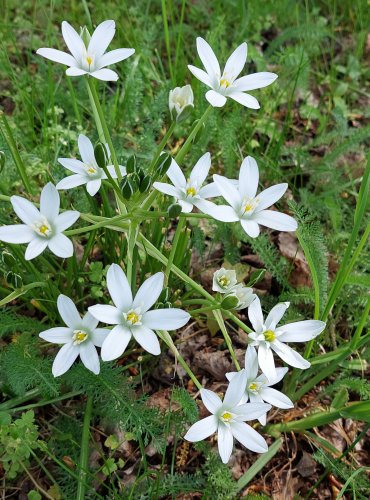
138, 317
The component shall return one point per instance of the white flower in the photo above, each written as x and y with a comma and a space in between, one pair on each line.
86, 171
244, 295
224, 280
43, 228
190, 193
89, 58
226, 84
248, 207
257, 389
180, 100
132, 316
267, 337
79, 338
228, 419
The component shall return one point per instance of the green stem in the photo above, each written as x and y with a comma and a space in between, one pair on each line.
132, 235
185, 147
196, 312
17, 293
167, 39
162, 145
179, 229
221, 324
9, 138
84, 454
68, 395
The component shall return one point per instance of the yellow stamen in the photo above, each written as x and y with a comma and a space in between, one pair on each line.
89, 60
224, 281
132, 317
253, 386
227, 416
190, 191
44, 229
224, 83
91, 170
248, 207
269, 335
79, 336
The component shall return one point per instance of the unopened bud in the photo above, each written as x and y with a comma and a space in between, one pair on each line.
162, 164
174, 210
8, 259
181, 102
229, 302
145, 184
100, 153
13, 279
131, 165
127, 187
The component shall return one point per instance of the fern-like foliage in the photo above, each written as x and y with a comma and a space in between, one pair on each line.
11, 322
354, 384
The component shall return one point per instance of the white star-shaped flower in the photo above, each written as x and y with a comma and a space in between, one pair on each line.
90, 58
79, 337
248, 207
257, 388
227, 84
86, 171
228, 419
42, 228
267, 337
132, 316
190, 192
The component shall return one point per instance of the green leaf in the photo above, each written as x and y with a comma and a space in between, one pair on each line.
357, 411
109, 467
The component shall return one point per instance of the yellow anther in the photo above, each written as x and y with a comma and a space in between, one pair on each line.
227, 416
269, 335
191, 191
79, 336
248, 207
132, 317
253, 386
89, 60
91, 170
44, 229
224, 281
224, 83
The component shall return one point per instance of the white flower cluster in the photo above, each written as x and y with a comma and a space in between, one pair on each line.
130, 317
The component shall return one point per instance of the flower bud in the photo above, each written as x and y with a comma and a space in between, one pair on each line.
2, 161
162, 164
181, 102
174, 210
224, 280
13, 279
85, 35
244, 295
229, 302
131, 165
8, 259
100, 153
145, 183
127, 187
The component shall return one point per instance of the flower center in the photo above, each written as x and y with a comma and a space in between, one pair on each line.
133, 317
43, 228
191, 191
89, 60
253, 387
249, 205
91, 170
226, 417
224, 82
224, 281
269, 335
79, 336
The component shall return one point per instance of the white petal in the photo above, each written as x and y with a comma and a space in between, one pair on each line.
223, 213
89, 357
251, 411
147, 339
290, 356
245, 99
71, 181
68, 312
102, 37
98, 336
176, 176
280, 373
248, 177
57, 56
250, 227
208, 58
215, 99
115, 344
25, 210
115, 56
186, 207
230, 375
92, 187
228, 191
148, 293
236, 389
270, 195
74, 71
251, 363
248, 437
61, 246
276, 398
201, 75
66, 219
119, 288
236, 62
266, 361
254, 81
225, 442
167, 189
17, 233
202, 429
210, 400
35, 247
89, 322
86, 150
107, 75
209, 191
275, 315
165, 319
111, 169
106, 314
275, 220
73, 41
58, 335
255, 315
300, 331
200, 171
65, 359
73, 165
49, 202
